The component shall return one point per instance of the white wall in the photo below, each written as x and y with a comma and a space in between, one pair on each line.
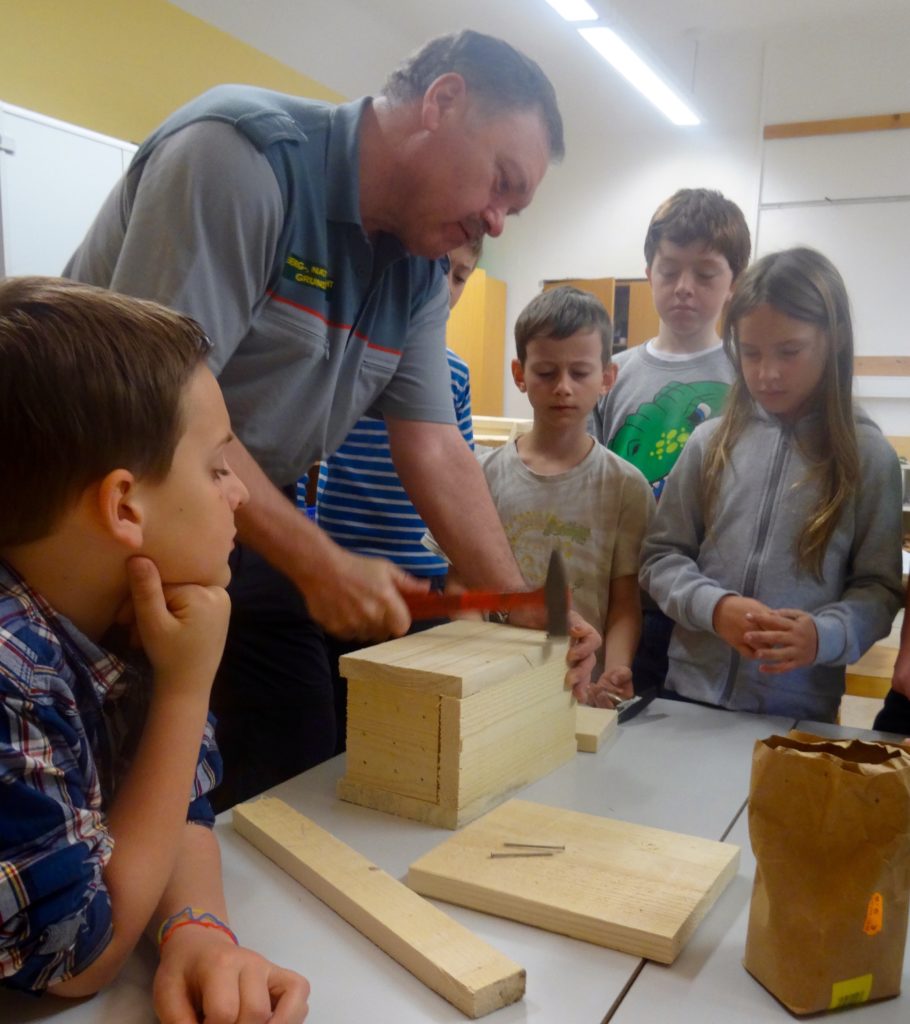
843, 73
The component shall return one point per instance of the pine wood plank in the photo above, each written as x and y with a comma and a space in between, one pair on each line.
456, 659
393, 738
378, 798
633, 888
837, 126
881, 366
446, 957
593, 726
499, 739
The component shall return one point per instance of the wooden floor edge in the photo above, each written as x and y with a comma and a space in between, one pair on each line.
277, 831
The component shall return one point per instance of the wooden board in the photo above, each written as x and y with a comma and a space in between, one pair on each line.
393, 739
500, 739
455, 659
593, 726
446, 957
633, 888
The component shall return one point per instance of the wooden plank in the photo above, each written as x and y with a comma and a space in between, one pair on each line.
377, 798
636, 889
881, 366
393, 738
498, 429
593, 726
837, 126
500, 739
456, 659
446, 957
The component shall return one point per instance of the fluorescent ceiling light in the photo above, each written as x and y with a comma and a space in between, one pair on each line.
632, 67
574, 10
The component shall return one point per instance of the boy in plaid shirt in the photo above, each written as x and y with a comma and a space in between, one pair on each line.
118, 506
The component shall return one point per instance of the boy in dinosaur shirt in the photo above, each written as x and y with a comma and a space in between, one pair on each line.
696, 246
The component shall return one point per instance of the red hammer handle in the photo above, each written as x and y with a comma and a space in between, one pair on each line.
434, 606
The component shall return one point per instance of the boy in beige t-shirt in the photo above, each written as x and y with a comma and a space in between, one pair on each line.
556, 487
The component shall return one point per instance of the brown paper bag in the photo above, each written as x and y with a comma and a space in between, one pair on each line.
829, 822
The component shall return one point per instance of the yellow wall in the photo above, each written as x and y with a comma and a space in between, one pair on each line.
120, 66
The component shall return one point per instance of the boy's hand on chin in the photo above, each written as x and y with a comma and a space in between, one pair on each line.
181, 627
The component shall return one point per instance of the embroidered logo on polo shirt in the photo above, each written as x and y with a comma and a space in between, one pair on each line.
306, 272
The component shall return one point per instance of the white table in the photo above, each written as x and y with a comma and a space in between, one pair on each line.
708, 982
677, 766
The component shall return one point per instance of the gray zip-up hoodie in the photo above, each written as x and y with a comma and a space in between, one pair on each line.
750, 550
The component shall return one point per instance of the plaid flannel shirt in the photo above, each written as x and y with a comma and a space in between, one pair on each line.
70, 717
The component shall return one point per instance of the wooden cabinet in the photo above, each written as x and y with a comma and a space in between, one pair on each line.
628, 301
477, 332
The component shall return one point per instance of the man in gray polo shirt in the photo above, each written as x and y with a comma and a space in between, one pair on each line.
304, 238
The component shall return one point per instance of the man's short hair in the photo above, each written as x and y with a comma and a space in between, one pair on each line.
701, 215
501, 77
559, 313
90, 381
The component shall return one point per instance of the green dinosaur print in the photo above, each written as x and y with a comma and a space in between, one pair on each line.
652, 437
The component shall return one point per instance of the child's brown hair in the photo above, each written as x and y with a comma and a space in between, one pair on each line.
701, 215
560, 313
90, 381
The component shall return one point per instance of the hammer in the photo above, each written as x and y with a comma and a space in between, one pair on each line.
553, 596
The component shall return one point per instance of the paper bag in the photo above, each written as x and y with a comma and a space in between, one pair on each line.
829, 823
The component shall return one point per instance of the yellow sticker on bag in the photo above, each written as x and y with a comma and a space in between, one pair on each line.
873, 923
851, 991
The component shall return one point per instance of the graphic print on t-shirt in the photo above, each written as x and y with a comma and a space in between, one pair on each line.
652, 437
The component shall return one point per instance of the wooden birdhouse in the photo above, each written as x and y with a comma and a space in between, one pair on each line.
444, 725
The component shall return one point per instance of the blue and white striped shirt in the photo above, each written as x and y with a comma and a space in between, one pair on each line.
361, 503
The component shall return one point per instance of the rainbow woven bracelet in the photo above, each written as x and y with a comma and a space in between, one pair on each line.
192, 915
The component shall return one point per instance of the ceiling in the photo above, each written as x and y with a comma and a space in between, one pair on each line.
350, 45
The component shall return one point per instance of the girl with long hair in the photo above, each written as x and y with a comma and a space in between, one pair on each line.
776, 547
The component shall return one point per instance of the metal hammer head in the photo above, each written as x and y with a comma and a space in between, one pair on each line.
556, 596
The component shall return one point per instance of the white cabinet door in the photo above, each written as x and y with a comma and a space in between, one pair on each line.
53, 179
